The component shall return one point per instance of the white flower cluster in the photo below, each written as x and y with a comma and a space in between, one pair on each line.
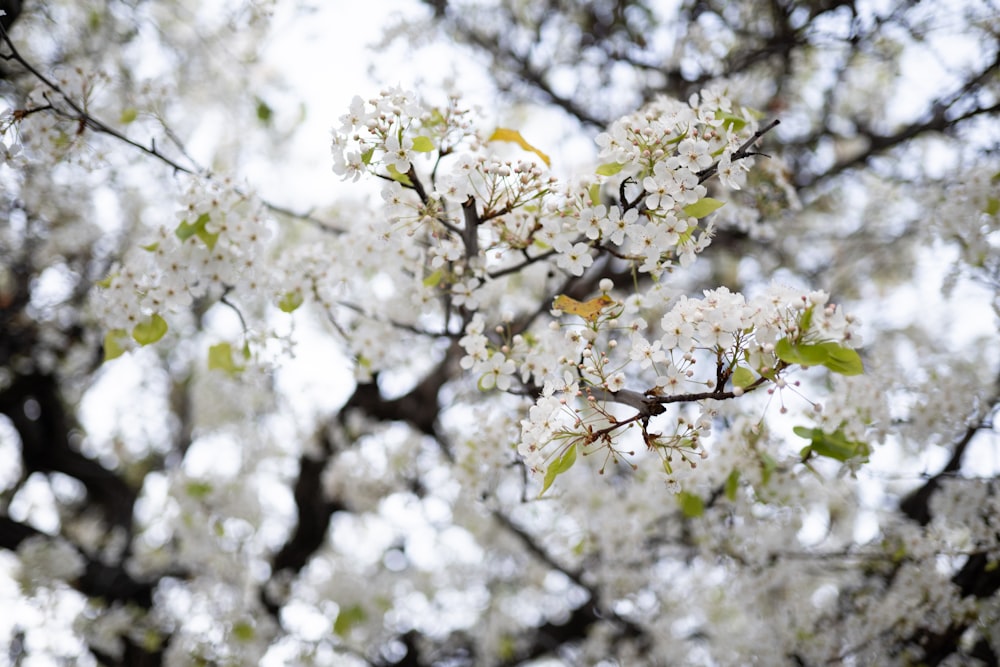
11, 150
44, 560
668, 149
967, 217
216, 247
382, 130
484, 223
699, 342
52, 138
488, 215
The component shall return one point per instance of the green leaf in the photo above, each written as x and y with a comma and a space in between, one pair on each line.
436, 119
743, 377
198, 490
844, 360
152, 247
150, 331
112, 344
558, 467
831, 445
610, 169
396, 175
347, 618
703, 207
106, 282
128, 116
800, 353
291, 301
594, 192
731, 121
692, 505
220, 357
434, 279
186, 230
507, 648
992, 205
423, 144
264, 112
833, 356
732, 484
243, 631
807, 317
769, 466
366, 157
151, 640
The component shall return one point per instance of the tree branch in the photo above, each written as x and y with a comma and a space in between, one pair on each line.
81, 115
741, 153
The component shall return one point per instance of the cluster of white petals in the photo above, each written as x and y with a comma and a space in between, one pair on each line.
214, 248
486, 222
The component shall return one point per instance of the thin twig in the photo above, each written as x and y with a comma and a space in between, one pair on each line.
741, 153
81, 115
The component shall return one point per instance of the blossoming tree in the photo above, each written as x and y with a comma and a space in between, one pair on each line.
667, 408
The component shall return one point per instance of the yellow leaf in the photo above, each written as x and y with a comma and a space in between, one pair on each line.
504, 134
588, 310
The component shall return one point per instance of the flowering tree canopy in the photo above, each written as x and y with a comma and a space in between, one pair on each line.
722, 393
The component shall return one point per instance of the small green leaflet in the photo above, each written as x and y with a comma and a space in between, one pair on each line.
692, 505
436, 119
198, 490
347, 618
220, 357
186, 230
128, 116
743, 377
112, 344
731, 121
834, 356
594, 192
151, 641
264, 112
366, 157
433, 279
558, 467
423, 144
610, 169
243, 631
397, 175
291, 301
768, 466
992, 206
732, 484
831, 445
150, 331
703, 207
807, 317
